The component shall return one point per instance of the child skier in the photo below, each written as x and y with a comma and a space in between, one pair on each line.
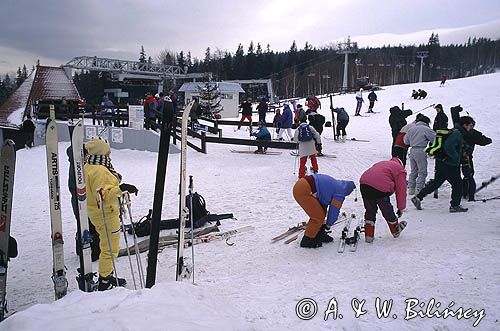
100, 174
317, 194
377, 184
308, 138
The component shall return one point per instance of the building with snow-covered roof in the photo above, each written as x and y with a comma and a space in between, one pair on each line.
229, 94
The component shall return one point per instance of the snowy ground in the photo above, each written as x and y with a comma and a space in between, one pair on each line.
256, 285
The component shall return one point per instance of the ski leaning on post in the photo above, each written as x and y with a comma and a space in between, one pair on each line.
167, 123
51, 145
7, 168
85, 277
183, 270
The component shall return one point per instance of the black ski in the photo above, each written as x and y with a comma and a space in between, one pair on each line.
161, 172
7, 168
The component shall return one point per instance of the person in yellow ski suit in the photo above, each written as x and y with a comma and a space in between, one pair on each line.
100, 175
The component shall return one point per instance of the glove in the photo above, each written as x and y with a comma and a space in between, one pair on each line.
399, 213
319, 148
129, 188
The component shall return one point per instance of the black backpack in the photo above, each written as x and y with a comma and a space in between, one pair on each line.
199, 209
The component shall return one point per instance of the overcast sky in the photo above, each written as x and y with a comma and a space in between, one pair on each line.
56, 31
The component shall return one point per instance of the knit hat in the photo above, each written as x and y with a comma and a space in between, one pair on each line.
424, 119
440, 106
97, 146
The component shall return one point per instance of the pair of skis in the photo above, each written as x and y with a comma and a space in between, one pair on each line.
351, 241
291, 231
322, 155
7, 168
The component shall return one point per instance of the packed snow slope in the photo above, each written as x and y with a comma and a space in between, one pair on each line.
256, 284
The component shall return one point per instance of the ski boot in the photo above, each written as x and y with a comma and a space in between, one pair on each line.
458, 209
323, 236
396, 228
417, 202
369, 231
307, 242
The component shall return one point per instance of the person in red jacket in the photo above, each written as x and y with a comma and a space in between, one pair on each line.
377, 184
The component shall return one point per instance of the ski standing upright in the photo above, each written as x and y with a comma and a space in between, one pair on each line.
85, 277
167, 124
183, 271
51, 145
7, 168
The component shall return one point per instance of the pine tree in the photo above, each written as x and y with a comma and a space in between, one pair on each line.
37, 62
189, 61
150, 60
24, 73
19, 77
210, 99
142, 55
181, 60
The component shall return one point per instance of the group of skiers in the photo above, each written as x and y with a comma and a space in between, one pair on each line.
321, 196
153, 108
418, 94
372, 97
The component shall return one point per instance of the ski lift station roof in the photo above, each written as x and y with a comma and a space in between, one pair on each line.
224, 87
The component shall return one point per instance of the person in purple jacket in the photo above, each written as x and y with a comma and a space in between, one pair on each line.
377, 184
318, 194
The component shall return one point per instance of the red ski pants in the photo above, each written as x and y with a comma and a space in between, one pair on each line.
303, 161
243, 118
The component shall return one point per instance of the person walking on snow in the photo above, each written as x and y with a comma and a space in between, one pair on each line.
285, 122
261, 134
320, 196
246, 113
417, 138
377, 184
308, 139
372, 97
262, 109
448, 167
359, 102
342, 121
100, 175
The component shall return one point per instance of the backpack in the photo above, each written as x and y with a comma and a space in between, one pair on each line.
199, 209
305, 133
315, 102
436, 148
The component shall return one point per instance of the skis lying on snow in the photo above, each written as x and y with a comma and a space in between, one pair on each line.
163, 241
7, 167
290, 231
354, 239
326, 156
253, 152
51, 144
225, 236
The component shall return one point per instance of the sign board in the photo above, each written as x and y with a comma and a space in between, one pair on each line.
201, 127
117, 135
136, 117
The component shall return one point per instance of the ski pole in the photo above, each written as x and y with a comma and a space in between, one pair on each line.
421, 110
126, 197
191, 220
120, 208
101, 205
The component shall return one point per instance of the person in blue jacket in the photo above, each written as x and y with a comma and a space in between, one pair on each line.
261, 134
285, 122
321, 197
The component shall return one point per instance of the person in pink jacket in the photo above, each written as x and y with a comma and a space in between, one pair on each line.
377, 184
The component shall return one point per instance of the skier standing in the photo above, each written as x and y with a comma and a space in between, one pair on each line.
448, 167
308, 138
316, 120
441, 120
318, 194
300, 114
377, 184
150, 105
246, 113
397, 121
359, 102
417, 138
472, 138
285, 122
262, 109
100, 174
372, 97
